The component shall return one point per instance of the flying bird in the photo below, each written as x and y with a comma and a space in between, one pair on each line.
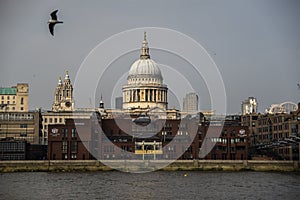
53, 21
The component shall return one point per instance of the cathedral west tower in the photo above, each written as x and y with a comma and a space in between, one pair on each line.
63, 97
145, 88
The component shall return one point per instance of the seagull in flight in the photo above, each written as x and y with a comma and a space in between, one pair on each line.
53, 21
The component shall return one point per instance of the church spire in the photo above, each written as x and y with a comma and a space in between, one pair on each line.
67, 75
145, 48
59, 81
101, 104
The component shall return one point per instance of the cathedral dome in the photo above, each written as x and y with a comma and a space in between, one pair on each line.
144, 88
144, 70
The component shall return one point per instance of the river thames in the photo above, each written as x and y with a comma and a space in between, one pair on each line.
153, 185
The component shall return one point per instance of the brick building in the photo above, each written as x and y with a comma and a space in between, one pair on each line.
274, 135
164, 139
74, 140
231, 144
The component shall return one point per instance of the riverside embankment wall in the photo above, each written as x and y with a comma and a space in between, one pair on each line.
132, 165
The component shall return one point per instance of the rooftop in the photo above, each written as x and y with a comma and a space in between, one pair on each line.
7, 91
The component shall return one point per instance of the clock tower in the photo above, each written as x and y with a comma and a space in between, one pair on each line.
63, 97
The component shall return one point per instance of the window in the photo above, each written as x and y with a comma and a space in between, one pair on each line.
65, 147
23, 125
8, 102
50, 120
55, 120
66, 133
22, 101
46, 120
2, 97
23, 134
22, 108
60, 120
7, 97
73, 133
74, 147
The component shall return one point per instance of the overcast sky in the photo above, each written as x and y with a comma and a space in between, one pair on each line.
255, 44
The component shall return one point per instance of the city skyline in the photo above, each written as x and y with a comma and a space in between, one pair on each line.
254, 44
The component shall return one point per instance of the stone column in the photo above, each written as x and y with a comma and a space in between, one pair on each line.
135, 95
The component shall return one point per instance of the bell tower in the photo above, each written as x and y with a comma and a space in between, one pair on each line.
63, 97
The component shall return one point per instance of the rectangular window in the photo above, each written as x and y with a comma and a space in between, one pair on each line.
60, 120
65, 147
46, 120
74, 147
62, 133
50, 120
22, 108
73, 133
55, 120
66, 133
22, 101
7, 97
23, 125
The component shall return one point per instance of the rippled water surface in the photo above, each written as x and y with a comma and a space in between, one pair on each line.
154, 185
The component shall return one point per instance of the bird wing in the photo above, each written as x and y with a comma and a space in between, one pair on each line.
51, 28
53, 15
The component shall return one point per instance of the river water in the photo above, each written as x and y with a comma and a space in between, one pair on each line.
153, 185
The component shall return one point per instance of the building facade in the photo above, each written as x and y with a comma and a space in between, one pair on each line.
104, 139
274, 135
190, 102
14, 99
74, 140
21, 126
11, 149
249, 106
231, 144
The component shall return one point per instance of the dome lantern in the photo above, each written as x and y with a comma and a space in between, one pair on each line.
145, 49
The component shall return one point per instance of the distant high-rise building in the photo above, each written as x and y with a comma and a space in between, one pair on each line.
119, 102
190, 102
249, 106
63, 99
14, 99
